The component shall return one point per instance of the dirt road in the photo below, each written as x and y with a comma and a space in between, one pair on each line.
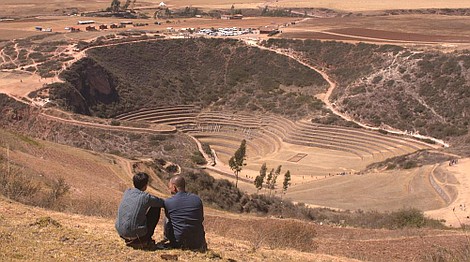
456, 213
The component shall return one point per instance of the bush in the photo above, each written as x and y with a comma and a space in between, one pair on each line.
198, 158
58, 189
406, 218
115, 122
410, 164
17, 185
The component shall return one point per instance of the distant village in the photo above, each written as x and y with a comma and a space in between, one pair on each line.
91, 25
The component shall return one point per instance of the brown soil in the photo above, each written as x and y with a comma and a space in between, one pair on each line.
400, 36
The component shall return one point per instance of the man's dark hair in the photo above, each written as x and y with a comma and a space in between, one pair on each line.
140, 180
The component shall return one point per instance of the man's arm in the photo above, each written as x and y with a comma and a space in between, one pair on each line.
155, 201
202, 210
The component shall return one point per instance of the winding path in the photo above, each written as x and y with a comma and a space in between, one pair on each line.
454, 214
332, 85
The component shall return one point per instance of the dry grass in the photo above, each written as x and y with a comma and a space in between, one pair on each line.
29, 233
269, 233
59, 172
375, 191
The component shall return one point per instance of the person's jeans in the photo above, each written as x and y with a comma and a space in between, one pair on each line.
153, 215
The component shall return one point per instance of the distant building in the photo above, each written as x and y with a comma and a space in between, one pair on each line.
268, 30
85, 22
90, 28
232, 17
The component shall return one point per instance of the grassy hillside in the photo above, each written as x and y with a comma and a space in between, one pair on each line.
406, 89
22, 119
214, 73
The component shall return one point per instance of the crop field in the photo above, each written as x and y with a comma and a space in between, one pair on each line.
371, 5
35, 7
400, 29
355, 5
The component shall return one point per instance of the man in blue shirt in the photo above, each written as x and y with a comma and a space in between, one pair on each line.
185, 215
138, 214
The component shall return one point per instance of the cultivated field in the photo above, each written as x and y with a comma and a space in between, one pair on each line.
371, 5
27, 8
355, 5
438, 30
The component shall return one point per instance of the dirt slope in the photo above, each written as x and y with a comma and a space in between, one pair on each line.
35, 234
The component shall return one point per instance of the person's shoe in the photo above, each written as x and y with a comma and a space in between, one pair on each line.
163, 246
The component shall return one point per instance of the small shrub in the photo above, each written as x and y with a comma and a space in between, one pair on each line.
407, 218
58, 189
16, 185
207, 149
172, 169
115, 122
45, 222
410, 164
384, 132
198, 158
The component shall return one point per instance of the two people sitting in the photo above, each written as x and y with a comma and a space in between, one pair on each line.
139, 212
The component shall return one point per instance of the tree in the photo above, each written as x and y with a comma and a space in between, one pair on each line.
286, 182
232, 10
168, 12
269, 179
275, 174
115, 6
259, 180
237, 161
265, 11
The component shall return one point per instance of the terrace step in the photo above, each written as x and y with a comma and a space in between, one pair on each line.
157, 110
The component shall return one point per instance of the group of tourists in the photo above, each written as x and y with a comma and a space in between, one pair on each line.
139, 213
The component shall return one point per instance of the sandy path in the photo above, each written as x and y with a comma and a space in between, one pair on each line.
454, 214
